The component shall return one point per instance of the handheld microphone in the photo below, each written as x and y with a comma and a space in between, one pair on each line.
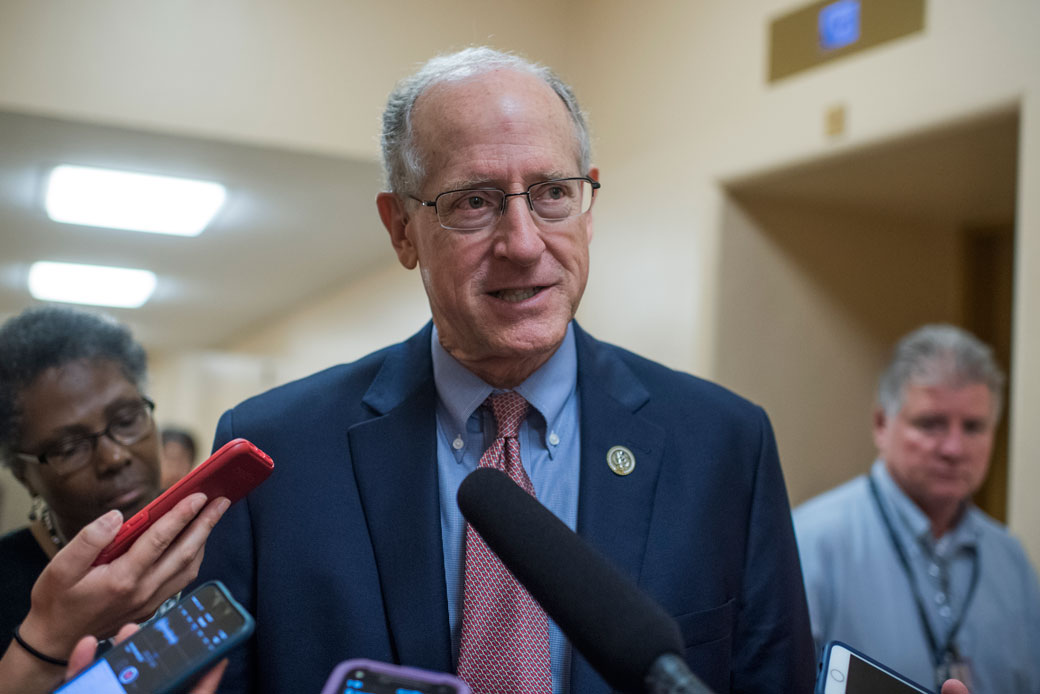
627, 637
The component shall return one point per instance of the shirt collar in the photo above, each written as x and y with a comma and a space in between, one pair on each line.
461, 391
912, 520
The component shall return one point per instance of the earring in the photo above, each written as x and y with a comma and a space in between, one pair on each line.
37, 508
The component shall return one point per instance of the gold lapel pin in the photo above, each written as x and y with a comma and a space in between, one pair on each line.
621, 460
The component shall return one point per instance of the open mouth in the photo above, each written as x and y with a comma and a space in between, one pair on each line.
516, 295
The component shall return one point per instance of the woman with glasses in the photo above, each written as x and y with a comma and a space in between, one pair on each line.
77, 431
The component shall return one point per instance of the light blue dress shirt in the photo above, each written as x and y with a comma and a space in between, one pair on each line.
549, 449
859, 592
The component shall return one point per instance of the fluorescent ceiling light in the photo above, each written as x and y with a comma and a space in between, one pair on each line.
132, 201
91, 284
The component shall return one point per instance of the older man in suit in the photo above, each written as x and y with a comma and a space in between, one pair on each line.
355, 547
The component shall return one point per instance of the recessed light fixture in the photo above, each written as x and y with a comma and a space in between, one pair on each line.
91, 284
133, 201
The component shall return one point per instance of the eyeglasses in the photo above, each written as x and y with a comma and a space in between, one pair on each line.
128, 426
473, 209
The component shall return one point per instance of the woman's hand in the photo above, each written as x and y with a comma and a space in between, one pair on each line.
72, 598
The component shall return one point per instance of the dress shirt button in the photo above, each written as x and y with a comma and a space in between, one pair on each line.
933, 570
940, 598
945, 612
458, 443
554, 440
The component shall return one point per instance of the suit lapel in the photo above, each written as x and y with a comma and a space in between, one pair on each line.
613, 510
395, 464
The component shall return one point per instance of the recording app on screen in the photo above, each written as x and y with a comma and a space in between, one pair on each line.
160, 653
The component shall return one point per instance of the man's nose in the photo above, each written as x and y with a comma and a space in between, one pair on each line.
517, 235
952, 443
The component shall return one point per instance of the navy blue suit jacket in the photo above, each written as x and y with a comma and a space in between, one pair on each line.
338, 555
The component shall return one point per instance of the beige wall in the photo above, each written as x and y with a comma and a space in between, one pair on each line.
679, 106
713, 119
386, 305
812, 302
1024, 464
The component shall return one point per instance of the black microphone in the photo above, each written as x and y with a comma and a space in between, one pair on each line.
627, 637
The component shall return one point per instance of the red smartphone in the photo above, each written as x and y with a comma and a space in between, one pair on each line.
233, 471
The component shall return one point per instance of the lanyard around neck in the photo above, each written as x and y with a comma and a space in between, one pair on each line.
938, 654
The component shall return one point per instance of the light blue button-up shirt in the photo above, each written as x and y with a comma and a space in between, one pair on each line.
549, 449
859, 593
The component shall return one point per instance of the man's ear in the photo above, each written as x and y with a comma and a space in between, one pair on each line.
880, 422
395, 219
594, 175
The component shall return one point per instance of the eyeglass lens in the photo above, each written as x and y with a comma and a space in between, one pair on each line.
478, 209
125, 428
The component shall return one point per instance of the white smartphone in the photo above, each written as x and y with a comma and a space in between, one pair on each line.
844, 670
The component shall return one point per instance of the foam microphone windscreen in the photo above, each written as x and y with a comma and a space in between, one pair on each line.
619, 629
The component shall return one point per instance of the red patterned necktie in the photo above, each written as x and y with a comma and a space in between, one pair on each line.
505, 633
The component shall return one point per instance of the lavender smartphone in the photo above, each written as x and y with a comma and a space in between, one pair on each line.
361, 676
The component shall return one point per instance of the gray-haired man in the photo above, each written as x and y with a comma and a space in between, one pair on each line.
899, 563
356, 548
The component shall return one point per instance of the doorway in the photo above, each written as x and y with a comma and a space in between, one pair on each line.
825, 264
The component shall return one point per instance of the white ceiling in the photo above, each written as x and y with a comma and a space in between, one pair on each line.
295, 225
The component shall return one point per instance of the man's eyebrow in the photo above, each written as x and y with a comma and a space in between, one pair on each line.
466, 183
488, 182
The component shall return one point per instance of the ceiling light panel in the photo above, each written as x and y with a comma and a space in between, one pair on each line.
132, 201
96, 285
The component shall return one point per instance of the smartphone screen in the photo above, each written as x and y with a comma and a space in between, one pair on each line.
846, 671
370, 677
192, 635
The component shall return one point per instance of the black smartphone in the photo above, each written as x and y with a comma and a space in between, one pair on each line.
844, 670
171, 651
360, 676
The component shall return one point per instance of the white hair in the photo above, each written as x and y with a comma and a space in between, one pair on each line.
402, 162
939, 355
